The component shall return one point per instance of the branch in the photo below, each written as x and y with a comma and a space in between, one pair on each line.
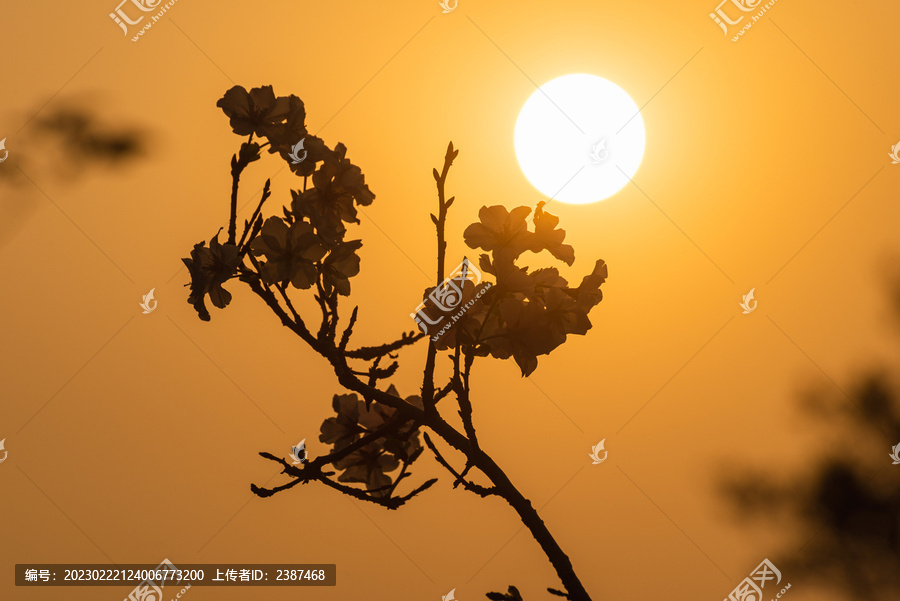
265, 195
440, 223
403, 473
470, 486
427, 417
257, 226
371, 352
376, 374
287, 301
324, 327
264, 292
237, 167
443, 392
348, 331
462, 395
309, 473
390, 428
315, 466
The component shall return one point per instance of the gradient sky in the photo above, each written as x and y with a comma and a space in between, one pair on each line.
134, 437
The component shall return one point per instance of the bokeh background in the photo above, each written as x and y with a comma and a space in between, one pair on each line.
134, 437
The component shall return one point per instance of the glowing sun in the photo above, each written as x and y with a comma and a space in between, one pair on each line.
579, 138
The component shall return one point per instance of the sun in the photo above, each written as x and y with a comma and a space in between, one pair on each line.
579, 138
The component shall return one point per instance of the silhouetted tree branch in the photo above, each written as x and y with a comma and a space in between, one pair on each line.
375, 431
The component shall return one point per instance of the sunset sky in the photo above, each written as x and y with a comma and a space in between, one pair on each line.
132, 438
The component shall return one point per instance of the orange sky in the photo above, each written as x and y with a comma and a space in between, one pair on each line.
766, 167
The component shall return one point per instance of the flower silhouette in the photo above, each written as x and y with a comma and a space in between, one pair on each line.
210, 268
291, 252
371, 463
259, 111
504, 233
525, 314
341, 264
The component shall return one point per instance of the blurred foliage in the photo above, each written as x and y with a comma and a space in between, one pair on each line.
73, 138
86, 140
67, 141
842, 513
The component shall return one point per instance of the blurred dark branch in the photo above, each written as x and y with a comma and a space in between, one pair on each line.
843, 505
84, 139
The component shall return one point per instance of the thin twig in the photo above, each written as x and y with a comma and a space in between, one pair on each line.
371, 352
470, 486
265, 195
440, 223
348, 331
